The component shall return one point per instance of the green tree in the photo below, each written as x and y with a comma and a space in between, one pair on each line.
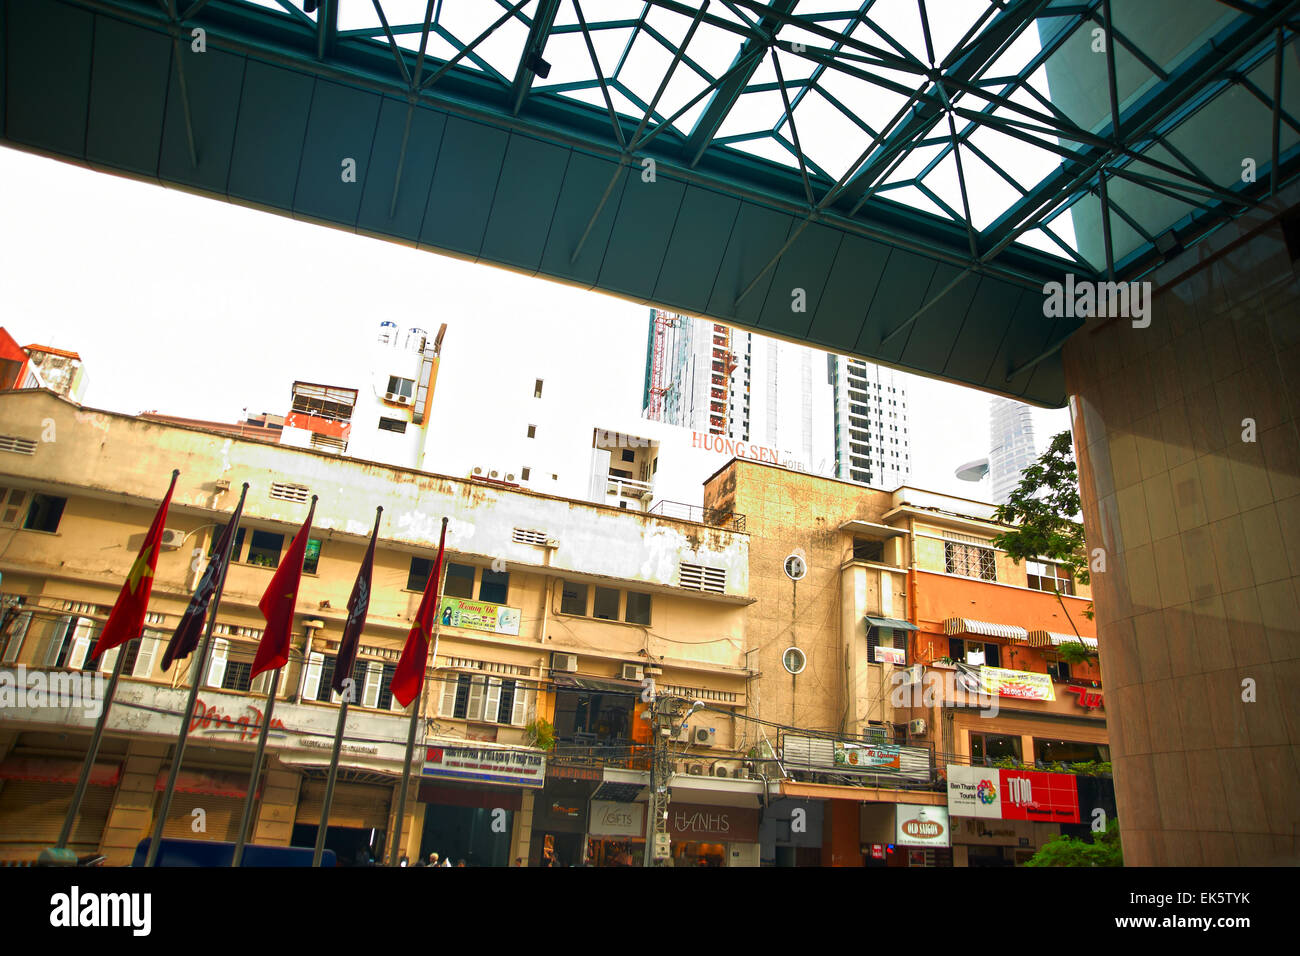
1044, 510
1103, 850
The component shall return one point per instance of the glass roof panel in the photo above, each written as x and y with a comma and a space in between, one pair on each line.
1166, 40
911, 196
829, 138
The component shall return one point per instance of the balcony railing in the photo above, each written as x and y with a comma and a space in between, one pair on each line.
622, 754
627, 487
713, 517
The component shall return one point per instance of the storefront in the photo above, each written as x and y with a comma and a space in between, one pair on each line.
560, 821
615, 833
905, 835
35, 793
704, 835
1001, 817
471, 795
791, 833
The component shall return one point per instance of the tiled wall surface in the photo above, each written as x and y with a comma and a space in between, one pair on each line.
1200, 529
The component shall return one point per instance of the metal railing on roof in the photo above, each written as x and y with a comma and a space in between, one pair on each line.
713, 517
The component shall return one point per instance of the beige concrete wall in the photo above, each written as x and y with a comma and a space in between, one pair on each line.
132, 816
278, 807
1200, 528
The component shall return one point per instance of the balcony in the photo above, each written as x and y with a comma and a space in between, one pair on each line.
627, 488
713, 517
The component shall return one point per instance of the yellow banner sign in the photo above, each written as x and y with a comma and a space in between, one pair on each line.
1023, 685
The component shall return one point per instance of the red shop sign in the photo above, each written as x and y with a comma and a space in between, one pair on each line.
1039, 796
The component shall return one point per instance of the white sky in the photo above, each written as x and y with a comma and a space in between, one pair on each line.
201, 308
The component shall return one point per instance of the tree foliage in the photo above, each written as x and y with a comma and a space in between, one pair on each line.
1103, 850
1044, 510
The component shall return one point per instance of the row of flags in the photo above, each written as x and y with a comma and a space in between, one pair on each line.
278, 605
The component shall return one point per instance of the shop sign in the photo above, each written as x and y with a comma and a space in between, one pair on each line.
1013, 794
1022, 685
1091, 699
890, 655
877, 851
921, 825
611, 819
517, 768
246, 725
705, 824
867, 757
480, 616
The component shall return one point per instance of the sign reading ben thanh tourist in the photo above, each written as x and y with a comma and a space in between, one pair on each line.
479, 616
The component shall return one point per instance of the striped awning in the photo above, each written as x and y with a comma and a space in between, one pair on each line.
891, 622
955, 626
1052, 639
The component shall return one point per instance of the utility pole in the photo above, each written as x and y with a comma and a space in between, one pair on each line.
664, 724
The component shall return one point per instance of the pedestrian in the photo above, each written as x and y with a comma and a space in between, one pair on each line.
433, 859
446, 862
404, 861
519, 861
460, 862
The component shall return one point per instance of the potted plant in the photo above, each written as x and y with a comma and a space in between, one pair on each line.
1074, 652
540, 733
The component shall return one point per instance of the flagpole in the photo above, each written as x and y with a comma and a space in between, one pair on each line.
329, 784
265, 730
415, 716
358, 607
60, 855
256, 771
199, 677
406, 776
84, 780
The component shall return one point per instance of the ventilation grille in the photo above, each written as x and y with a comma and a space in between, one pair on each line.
328, 443
235, 630
153, 617
527, 536
92, 610
491, 667
699, 578
19, 446
287, 492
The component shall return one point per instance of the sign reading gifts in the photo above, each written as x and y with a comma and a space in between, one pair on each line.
1023, 685
479, 616
998, 794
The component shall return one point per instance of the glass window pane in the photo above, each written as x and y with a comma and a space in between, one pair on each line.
459, 582
606, 604
264, 549
312, 556
638, 608
494, 587
573, 598
418, 576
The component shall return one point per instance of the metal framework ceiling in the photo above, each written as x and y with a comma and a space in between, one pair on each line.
914, 169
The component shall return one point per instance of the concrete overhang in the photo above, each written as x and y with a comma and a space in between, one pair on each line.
830, 791
873, 528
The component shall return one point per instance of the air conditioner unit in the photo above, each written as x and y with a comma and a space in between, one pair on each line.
913, 674
566, 663
403, 400
696, 770
390, 395
510, 476
916, 727
478, 470
494, 473
703, 736
632, 672
172, 539
720, 771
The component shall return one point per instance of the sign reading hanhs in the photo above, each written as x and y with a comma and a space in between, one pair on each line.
358, 608
278, 603
408, 678
190, 629
126, 619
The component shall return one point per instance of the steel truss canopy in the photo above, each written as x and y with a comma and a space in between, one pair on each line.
890, 179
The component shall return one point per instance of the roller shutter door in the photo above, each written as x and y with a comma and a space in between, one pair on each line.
222, 817
32, 812
364, 806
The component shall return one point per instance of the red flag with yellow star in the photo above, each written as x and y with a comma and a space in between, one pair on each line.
280, 600
408, 678
127, 617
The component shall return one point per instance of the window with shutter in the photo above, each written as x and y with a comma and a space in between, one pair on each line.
108, 660
492, 700
17, 633
506, 711
374, 677
447, 701
523, 705
55, 651
474, 711
311, 682
146, 652
217, 665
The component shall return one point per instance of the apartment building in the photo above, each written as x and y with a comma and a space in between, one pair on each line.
897, 642
554, 609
